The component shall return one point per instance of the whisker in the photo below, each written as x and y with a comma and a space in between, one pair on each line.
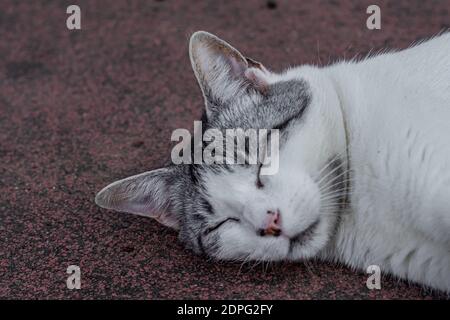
334, 214
335, 191
308, 267
331, 161
320, 178
246, 260
336, 197
332, 172
336, 177
327, 189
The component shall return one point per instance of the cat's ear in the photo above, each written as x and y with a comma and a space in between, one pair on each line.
222, 71
147, 194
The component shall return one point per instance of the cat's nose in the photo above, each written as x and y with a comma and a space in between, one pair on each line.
272, 224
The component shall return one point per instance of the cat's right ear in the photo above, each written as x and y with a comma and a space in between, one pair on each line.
147, 194
222, 71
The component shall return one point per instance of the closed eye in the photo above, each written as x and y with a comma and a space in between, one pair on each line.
217, 226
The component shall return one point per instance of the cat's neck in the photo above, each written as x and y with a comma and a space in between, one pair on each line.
366, 90
348, 85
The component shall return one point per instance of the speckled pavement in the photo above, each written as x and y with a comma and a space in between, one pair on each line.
80, 109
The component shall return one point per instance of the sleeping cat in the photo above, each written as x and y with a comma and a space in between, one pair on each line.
364, 164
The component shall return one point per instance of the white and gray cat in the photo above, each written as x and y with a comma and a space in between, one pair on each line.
364, 164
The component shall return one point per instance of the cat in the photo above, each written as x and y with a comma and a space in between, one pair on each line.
364, 164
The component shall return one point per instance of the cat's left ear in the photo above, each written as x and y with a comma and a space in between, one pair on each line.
147, 194
222, 71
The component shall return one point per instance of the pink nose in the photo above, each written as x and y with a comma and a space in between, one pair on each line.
272, 225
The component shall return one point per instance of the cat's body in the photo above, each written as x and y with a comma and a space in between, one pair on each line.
397, 110
375, 133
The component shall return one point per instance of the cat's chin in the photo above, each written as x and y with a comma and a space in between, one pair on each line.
313, 240
307, 244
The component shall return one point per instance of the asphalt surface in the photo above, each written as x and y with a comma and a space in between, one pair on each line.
80, 109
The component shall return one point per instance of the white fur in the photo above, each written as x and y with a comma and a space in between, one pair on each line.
397, 111
392, 112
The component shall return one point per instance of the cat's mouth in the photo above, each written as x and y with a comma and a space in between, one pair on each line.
303, 237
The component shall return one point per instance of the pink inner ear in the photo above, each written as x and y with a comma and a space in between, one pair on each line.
167, 220
236, 67
257, 78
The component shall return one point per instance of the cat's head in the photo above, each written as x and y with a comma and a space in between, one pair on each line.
233, 212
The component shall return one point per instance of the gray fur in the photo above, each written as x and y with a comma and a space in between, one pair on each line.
283, 104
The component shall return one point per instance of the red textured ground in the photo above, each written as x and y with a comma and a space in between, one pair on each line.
79, 109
